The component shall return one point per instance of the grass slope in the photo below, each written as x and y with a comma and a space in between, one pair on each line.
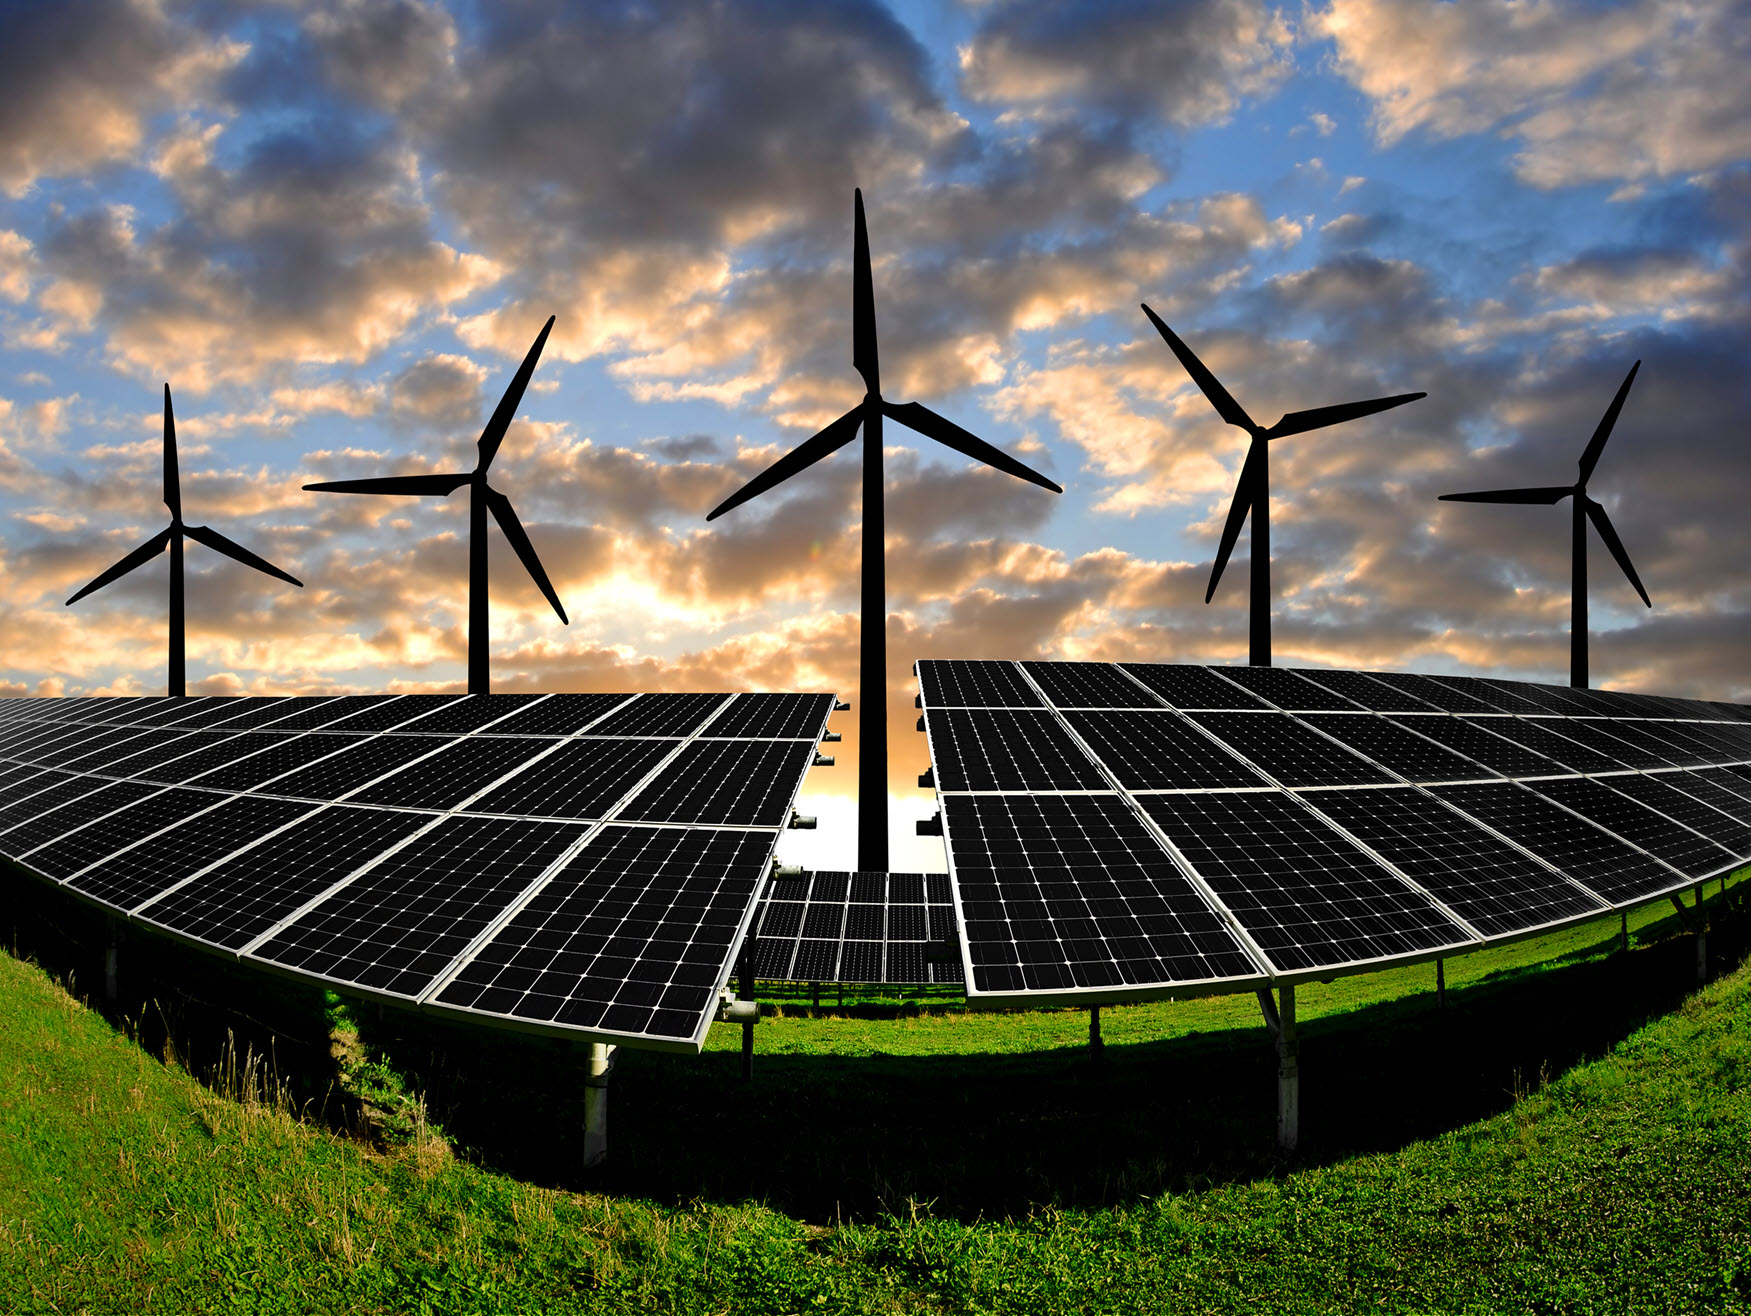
1431, 1179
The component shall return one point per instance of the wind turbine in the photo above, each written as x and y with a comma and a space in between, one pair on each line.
872, 759
172, 536
483, 498
1252, 491
1585, 510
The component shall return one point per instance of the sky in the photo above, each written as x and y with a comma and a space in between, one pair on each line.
335, 228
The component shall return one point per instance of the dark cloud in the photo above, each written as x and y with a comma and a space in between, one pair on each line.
1187, 61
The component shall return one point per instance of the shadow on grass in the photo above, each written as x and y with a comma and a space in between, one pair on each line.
214, 1018
973, 1135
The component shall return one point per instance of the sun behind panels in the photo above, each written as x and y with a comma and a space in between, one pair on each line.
1252, 494
872, 764
483, 499
575, 864
1585, 510
1143, 831
171, 537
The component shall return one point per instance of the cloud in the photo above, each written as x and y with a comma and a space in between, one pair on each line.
1186, 61
79, 80
1628, 92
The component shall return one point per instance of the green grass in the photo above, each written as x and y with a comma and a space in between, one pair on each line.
1573, 1134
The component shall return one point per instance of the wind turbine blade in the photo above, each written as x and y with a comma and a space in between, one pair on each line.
801, 457
1299, 422
218, 543
1554, 493
1230, 410
435, 485
172, 481
145, 553
500, 506
1245, 491
1596, 444
863, 325
494, 433
917, 416
1602, 523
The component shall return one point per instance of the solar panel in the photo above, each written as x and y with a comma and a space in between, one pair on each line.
953, 683
1006, 749
773, 716
884, 929
558, 715
748, 783
659, 715
1190, 687
400, 890
631, 936
1288, 750
1287, 689
1089, 685
1368, 819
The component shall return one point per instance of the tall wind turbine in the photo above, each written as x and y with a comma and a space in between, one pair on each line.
872, 759
172, 536
1585, 510
483, 498
1252, 491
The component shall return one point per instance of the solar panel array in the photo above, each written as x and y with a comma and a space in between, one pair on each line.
1126, 831
879, 928
561, 863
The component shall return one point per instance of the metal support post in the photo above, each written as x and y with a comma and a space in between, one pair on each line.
1094, 1042
1623, 935
747, 994
1440, 984
1701, 940
602, 1057
1281, 1022
109, 959
815, 987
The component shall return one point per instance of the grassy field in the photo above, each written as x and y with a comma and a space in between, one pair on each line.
1572, 1134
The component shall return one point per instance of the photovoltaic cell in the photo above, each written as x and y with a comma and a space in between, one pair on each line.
1492, 694
957, 683
400, 923
143, 763
387, 713
1287, 689
558, 715
632, 935
659, 715
1185, 686
469, 713
1697, 804
1159, 751
83, 740
1716, 789
186, 767
131, 876
1550, 737
581, 779
65, 856
1593, 799
773, 716
322, 714
1596, 859
1369, 691
1393, 746
748, 783
235, 903
1062, 893
1006, 749
1307, 896
1089, 685
260, 711
1441, 692
448, 777
1487, 882
331, 778
1474, 738
67, 808
1294, 754
101, 755
33, 783
283, 754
